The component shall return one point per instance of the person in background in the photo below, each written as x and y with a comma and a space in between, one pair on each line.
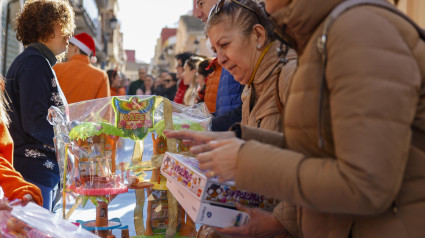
126, 82
115, 82
138, 84
159, 83
170, 88
181, 87
189, 79
351, 158
149, 89
79, 80
202, 79
44, 27
211, 87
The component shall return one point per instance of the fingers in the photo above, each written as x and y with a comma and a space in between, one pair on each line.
182, 134
201, 148
206, 166
209, 146
26, 199
242, 208
210, 174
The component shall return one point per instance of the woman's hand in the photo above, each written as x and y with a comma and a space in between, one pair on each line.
221, 161
199, 137
260, 224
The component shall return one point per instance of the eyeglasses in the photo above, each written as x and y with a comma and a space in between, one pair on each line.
167, 80
217, 8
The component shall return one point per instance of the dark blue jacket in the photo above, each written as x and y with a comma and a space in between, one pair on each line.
223, 122
228, 94
32, 88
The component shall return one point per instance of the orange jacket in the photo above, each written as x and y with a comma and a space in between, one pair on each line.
118, 91
81, 81
211, 88
11, 181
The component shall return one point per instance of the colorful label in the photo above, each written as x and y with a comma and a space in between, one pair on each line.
216, 193
134, 117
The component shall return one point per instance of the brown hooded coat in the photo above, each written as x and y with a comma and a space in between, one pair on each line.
369, 179
265, 113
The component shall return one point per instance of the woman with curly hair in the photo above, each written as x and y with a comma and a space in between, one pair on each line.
44, 27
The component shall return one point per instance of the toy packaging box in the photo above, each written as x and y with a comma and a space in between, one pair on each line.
189, 183
185, 170
205, 213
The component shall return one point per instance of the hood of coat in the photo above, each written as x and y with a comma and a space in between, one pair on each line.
268, 64
301, 18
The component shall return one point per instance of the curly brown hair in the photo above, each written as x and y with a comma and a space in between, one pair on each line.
37, 19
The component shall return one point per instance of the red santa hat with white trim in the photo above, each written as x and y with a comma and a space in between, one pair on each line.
85, 43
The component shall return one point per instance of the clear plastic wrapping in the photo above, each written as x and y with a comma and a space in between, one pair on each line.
90, 138
34, 221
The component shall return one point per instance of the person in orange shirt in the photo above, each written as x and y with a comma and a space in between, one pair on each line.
116, 83
11, 181
79, 79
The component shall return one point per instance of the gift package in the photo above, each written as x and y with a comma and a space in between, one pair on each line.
91, 140
198, 195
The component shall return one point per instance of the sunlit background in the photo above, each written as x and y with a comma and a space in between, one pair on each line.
134, 33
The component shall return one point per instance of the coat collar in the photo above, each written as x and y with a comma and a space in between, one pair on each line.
301, 18
45, 51
83, 58
270, 60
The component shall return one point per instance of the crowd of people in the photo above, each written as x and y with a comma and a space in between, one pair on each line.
320, 104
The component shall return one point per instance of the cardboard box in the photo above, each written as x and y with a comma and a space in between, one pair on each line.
185, 171
204, 213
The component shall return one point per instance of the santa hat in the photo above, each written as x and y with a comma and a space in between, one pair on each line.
85, 43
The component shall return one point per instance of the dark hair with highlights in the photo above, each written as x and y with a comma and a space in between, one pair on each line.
37, 19
202, 68
183, 57
112, 73
242, 18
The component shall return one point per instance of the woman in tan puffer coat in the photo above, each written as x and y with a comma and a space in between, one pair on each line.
246, 47
358, 170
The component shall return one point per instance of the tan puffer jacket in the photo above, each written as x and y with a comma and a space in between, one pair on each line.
369, 179
265, 113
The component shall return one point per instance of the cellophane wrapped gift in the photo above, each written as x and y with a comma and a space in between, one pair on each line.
90, 134
34, 221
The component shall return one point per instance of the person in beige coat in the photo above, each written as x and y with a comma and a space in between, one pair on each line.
246, 47
358, 171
